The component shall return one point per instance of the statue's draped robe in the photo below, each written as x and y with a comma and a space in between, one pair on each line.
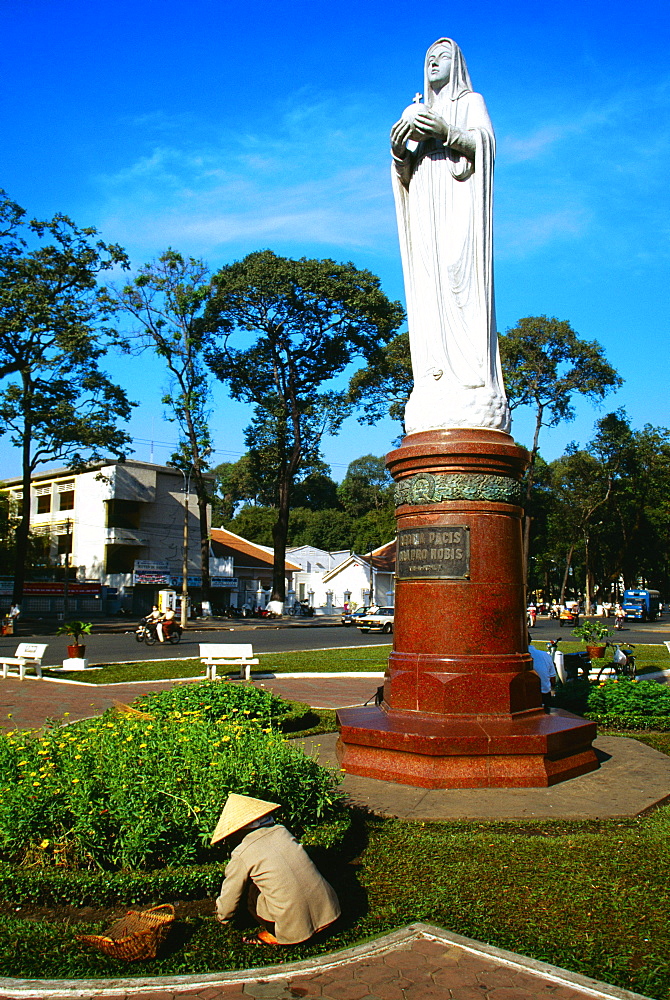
444, 204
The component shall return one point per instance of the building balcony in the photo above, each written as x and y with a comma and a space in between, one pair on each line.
125, 536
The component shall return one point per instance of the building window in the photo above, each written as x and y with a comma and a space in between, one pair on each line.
16, 504
64, 543
123, 514
121, 558
44, 503
66, 500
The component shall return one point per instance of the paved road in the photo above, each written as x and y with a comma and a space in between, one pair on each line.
115, 648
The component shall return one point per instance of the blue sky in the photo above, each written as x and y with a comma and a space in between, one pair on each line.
219, 128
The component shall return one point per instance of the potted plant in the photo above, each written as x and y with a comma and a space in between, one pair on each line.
76, 630
595, 635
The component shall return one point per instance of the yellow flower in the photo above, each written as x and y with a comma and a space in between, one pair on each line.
44, 844
21, 763
36, 784
75, 781
77, 756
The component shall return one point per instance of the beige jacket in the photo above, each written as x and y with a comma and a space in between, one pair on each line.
292, 893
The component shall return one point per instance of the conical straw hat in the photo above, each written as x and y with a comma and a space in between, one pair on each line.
239, 811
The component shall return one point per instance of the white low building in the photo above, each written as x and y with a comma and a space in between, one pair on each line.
308, 585
364, 580
329, 580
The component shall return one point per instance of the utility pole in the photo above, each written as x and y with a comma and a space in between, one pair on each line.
184, 565
68, 546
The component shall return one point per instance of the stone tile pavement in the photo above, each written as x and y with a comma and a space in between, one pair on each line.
419, 962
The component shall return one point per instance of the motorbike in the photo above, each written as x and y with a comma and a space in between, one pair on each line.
569, 616
146, 632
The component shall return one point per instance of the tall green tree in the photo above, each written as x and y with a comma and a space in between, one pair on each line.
583, 485
367, 486
545, 365
634, 534
54, 328
166, 298
234, 484
307, 320
383, 386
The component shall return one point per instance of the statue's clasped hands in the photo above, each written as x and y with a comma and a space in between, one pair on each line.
426, 125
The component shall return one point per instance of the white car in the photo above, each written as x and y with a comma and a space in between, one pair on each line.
380, 620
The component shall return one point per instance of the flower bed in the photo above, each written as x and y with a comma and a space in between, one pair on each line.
127, 792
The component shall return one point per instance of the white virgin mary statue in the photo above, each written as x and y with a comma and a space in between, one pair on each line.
443, 152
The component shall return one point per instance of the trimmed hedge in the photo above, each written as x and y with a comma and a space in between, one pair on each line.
48, 886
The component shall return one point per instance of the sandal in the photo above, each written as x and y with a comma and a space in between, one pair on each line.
263, 937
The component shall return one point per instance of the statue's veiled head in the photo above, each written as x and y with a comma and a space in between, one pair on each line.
445, 72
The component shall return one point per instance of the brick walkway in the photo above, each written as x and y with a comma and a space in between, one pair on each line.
31, 701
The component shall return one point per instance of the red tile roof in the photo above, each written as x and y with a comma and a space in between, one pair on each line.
226, 543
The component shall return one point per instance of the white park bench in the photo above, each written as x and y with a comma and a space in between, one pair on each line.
227, 654
28, 654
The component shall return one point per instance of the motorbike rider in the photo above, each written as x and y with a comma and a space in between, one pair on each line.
619, 616
164, 626
151, 621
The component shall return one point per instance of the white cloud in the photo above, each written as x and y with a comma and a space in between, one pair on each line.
317, 177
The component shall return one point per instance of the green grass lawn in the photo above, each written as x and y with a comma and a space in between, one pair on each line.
365, 658
590, 897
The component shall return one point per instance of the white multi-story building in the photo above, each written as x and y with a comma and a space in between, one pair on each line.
120, 524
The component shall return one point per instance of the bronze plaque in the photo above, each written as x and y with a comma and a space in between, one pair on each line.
437, 553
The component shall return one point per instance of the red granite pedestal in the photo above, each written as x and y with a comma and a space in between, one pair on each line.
462, 707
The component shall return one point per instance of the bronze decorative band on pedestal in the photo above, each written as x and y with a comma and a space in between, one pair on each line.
428, 487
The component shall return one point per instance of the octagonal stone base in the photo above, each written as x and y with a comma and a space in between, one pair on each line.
529, 751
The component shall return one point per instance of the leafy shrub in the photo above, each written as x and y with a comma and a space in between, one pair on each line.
54, 886
123, 792
213, 701
625, 697
572, 696
631, 723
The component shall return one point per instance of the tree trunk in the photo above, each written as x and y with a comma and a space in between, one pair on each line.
568, 561
279, 536
204, 547
23, 528
529, 489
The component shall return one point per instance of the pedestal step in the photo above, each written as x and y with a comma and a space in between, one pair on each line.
536, 750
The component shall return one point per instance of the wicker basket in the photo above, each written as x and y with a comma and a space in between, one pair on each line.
137, 935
